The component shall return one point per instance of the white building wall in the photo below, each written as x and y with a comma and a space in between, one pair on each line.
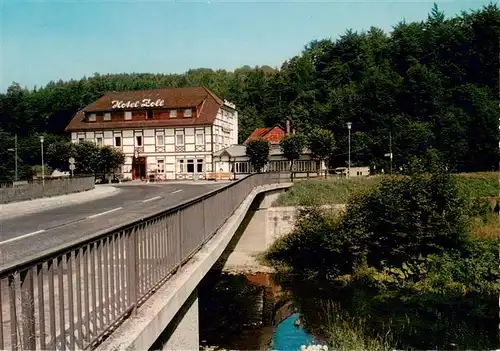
160, 146
164, 150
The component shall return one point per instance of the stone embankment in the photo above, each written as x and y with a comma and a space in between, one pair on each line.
263, 229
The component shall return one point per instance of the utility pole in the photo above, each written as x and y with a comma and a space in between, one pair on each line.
349, 124
390, 149
43, 164
15, 158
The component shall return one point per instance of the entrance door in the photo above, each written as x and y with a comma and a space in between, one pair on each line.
139, 168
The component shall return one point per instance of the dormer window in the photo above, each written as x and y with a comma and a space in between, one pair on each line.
107, 116
128, 115
92, 117
149, 114
187, 112
173, 113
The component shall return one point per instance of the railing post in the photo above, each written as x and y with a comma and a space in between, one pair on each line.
179, 236
28, 310
13, 313
133, 267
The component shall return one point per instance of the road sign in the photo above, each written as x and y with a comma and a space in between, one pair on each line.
71, 160
72, 167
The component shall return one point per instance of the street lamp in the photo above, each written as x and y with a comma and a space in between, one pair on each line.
15, 157
43, 165
349, 125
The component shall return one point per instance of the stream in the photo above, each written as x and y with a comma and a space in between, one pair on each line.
253, 312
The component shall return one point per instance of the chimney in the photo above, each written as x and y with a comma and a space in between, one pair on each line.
287, 127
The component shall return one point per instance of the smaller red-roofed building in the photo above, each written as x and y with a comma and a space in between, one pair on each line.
272, 134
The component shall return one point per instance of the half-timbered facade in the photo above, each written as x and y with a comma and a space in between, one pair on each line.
166, 133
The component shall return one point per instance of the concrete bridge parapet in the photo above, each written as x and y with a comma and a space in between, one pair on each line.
171, 313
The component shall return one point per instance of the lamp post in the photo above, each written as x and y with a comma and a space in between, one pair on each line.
349, 125
15, 157
43, 165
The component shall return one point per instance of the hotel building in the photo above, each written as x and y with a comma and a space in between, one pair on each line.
167, 133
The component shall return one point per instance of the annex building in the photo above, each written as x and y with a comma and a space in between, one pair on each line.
167, 133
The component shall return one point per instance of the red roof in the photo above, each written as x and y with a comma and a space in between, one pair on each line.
272, 134
205, 102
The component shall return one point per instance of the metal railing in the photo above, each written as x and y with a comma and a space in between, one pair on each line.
73, 297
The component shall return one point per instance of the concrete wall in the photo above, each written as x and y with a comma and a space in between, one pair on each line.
263, 225
52, 187
281, 220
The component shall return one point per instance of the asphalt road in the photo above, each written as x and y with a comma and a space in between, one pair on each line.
29, 235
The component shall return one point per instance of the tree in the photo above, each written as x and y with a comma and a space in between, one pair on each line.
257, 150
321, 143
110, 159
431, 84
292, 147
59, 153
86, 158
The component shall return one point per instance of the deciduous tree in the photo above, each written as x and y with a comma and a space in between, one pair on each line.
257, 150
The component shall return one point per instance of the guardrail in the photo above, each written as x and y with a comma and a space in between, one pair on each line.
104, 278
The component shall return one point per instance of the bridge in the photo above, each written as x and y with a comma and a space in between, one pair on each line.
127, 286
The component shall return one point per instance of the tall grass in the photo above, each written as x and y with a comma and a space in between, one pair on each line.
341, 331
486, 229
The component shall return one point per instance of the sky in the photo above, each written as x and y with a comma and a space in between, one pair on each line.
47, 40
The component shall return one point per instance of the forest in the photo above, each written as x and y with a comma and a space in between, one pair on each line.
425, 85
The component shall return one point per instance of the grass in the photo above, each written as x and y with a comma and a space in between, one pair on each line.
480, 184
337, 191
323, 192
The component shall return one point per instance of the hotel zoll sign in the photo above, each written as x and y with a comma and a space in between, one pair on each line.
138, 103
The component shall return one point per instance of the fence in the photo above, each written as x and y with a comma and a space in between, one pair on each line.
101, 280
52, 187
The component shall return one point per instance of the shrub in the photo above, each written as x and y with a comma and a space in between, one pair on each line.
396, 223
406, 217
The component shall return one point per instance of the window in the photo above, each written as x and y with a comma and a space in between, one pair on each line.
181, 166
187, 112
199, 138
179, 139
199, 165
99, 141
128, 115
190, 166
81, 140
149, 114
118, 141
161, 166
173, 113
160, 141
138, 140
107, 116
92, 117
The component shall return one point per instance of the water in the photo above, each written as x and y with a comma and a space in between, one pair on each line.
247, 312
290, 337
252, 312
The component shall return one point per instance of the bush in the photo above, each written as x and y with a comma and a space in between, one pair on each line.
405, 227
